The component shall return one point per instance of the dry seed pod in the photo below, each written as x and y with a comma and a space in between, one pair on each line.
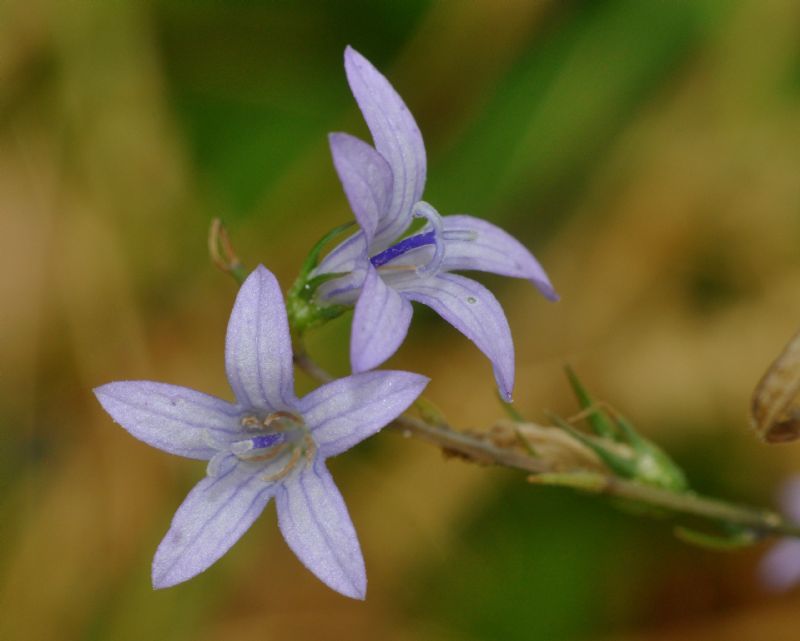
552, 445
775, 414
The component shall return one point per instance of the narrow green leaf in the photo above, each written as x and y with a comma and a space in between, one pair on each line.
734, 540
621, 466
598, 419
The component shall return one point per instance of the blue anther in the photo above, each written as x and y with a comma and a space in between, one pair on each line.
263, 441
405, 245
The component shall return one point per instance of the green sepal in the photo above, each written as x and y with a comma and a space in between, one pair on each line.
429, 411
582, 481
618, 464
735, 539
312, 260
310, 286
301, 308
648, 463
598, 419
304, 314
653, 465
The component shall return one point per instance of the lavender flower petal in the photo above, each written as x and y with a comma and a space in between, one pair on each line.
348, 410
380, 323
366, 178
175, 419
344, 290
474, 311
780, 568
258, 350
314, 521
474, 244
790, 497
350, 258
213, 517
397, 138
348, 255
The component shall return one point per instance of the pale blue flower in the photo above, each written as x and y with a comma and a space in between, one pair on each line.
267, 444
384, 270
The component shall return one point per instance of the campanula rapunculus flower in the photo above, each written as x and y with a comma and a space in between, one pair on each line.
780, 567
267, 444
385, 271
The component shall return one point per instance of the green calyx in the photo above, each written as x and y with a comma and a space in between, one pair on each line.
303, 309
620, 446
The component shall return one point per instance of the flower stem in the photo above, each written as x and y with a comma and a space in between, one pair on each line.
483, 451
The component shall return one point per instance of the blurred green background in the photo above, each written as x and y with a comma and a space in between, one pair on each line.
648, 151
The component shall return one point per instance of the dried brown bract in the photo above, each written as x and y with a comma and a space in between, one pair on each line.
775, 414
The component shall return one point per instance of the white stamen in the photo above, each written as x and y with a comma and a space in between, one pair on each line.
467, 235
240, 448
426, 211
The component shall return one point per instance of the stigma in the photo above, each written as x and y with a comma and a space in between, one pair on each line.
280, 438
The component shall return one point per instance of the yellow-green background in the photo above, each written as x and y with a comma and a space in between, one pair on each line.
648, 151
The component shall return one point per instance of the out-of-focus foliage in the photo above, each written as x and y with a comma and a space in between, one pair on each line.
649, 152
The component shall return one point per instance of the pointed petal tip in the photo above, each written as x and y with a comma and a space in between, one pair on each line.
505, 390
419, 379
100, 391
262, 272
107, 389
542, 283
352, 587
314, 521
504, 378
103, 395
160, 585
163, 580
358, 593
547, 290
256, 277
158, 577
351, 591
351, 55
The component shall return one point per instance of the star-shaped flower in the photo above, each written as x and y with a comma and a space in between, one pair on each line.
269, 443
386, 271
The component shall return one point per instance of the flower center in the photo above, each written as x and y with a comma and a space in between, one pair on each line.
279, 435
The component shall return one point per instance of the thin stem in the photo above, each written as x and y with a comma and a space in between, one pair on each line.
307, 364
484, 452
